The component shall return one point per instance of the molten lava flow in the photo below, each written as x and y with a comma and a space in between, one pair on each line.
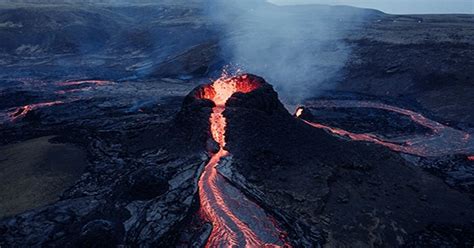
367, 137
20, 112
444, 140
236, 220
416, 117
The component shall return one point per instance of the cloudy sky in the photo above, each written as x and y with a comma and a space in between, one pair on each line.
398, 6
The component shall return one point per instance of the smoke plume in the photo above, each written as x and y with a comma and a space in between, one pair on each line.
299, 49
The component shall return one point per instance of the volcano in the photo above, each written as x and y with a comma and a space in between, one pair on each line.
297, 174
116, 130
236, 220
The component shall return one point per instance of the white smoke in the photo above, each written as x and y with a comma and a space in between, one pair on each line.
299, 49
398, 6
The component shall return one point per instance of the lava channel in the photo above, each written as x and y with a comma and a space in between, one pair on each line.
237, 221
444, 140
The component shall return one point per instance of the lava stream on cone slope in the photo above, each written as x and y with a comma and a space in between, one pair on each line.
236, 220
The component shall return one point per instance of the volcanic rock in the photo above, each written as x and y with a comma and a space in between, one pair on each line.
98, 233
456, 170
147, 183
139, 195
191, 124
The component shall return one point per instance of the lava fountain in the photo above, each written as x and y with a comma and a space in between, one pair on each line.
237, 221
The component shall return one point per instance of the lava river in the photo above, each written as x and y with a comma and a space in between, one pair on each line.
443, 140
20, 112
237, 221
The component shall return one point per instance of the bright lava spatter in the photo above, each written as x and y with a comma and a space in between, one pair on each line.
444, 140
236, 220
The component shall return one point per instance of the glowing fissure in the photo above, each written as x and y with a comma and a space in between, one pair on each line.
444, 140
236, 220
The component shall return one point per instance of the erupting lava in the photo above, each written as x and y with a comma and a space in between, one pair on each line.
444, 140
236, 220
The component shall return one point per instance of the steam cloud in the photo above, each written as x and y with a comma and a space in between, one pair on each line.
299, 49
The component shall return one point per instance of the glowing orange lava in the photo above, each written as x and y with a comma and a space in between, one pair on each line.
444, 140
299, 111
20, 112
216, 195
367, 137
223, 88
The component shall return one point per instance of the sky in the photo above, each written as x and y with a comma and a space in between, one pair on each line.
398, 6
